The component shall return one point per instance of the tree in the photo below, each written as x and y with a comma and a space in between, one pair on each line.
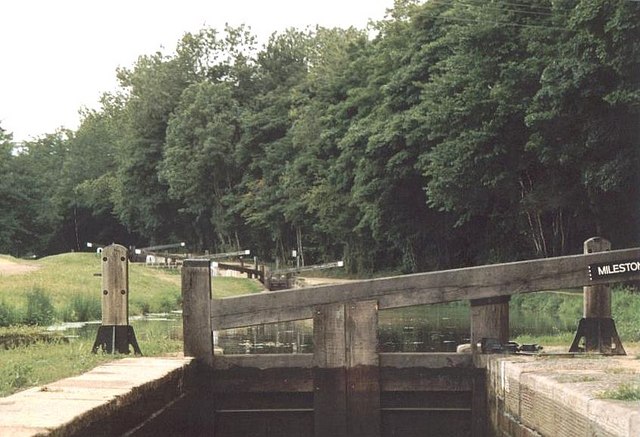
585, 121
199, 164
141, 199
476, 161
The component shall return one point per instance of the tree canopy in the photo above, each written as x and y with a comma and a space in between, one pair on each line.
447, 134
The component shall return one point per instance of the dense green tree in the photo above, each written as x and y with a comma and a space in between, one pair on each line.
459, 133
474, 109
585, 120
85, 192
30, 176
199, 158
10, 225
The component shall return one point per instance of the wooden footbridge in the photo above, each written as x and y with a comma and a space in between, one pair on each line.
346, 387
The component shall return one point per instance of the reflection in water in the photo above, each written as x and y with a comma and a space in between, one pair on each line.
427, 328
432, 328
273, 338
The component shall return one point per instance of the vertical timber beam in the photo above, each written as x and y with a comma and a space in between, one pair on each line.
597, 327
329, 371
363, 369
489, 319
115, 333
196, 310
115, 286
346, 370
597, 298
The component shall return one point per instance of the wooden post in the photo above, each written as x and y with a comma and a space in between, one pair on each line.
329, 371
115, 286
363, 369
597, 327
346, 370
115, 333
597, 298
489, 319
196, 310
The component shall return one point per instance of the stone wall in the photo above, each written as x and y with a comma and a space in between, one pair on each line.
560, 396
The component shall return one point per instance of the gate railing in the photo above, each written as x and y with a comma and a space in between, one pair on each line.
346, 365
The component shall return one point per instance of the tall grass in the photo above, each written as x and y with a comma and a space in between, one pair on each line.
40, 310
65, 288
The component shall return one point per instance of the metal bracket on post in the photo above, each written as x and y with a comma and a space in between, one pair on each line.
600, 335
597, 327
115, 334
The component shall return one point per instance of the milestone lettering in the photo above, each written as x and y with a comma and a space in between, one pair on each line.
617, 269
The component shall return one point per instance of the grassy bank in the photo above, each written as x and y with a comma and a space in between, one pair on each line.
568, 305
64, 288
39, 360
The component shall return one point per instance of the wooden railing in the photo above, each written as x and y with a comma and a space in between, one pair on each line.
485, 284
346, 365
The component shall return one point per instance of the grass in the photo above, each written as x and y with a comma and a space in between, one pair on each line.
42, 363
624, 392
64, 288
560, 339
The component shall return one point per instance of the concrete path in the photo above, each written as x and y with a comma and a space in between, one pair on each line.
68, 406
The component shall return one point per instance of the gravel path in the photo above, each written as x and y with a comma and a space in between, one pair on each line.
12, 268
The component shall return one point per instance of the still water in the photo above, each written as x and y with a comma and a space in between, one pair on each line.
428, 328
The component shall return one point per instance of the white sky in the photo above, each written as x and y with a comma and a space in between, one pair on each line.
57, 56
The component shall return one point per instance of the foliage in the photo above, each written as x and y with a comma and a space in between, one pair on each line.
625, 309
82, 308
8, 315
447, 134
40, 310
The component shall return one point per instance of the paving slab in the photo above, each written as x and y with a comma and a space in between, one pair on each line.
563, 396
56, 407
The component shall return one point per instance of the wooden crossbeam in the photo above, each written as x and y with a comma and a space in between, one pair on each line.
426, 288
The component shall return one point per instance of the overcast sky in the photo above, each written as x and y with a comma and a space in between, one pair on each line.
57, 56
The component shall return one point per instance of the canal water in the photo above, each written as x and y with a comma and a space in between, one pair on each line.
428, 328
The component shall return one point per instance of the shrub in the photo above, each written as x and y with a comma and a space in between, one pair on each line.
40, 310
625, 309
82, 308
20, 375
8, 315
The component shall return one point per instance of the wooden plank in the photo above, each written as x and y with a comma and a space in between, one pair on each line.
329, 373
363, 371
115, 286
421, 288
425, 380
397, 360
196, 310
273, 380
263, 361
427, 360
